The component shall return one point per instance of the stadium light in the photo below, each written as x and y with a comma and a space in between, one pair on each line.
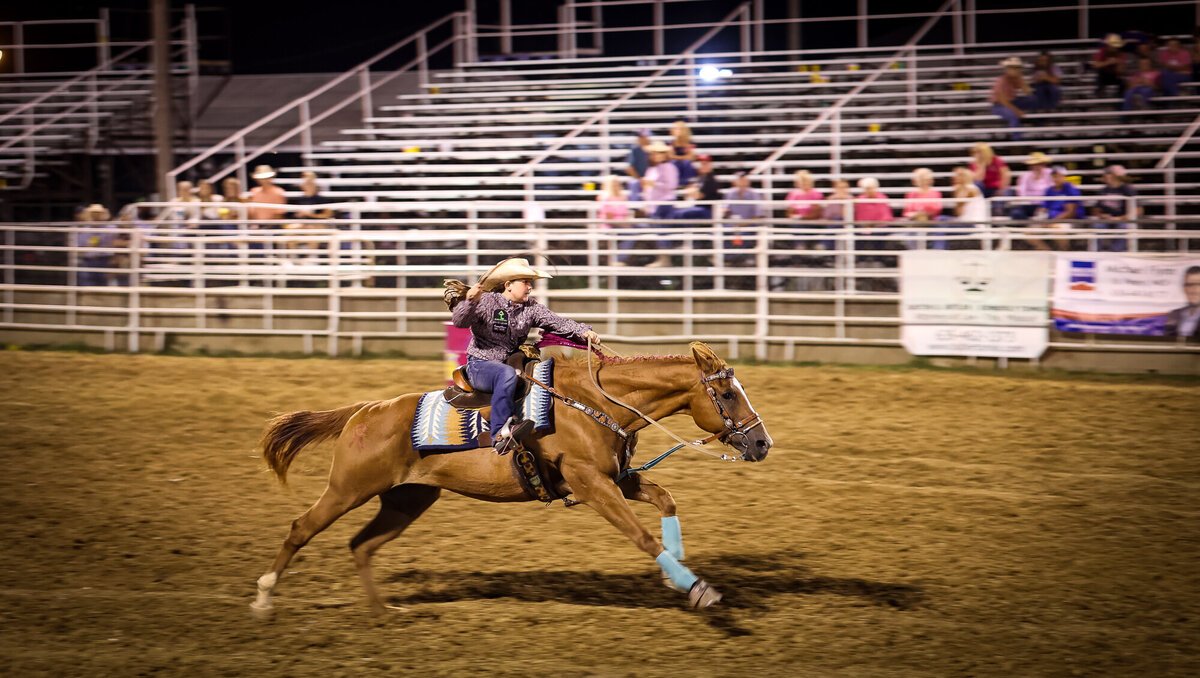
709, 73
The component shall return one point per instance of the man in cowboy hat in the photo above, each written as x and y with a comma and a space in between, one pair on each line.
1011, 95
1032, 184
500, 313
266, 192
1109, 64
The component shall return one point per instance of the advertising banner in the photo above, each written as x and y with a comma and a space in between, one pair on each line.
975, 303
1115, 294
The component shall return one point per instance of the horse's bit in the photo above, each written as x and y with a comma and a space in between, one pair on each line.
736, 434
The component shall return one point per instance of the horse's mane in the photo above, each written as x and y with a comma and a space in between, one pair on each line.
624, 360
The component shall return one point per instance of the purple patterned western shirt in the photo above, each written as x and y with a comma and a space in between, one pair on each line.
499, 326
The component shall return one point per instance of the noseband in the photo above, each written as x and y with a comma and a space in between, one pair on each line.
736, 434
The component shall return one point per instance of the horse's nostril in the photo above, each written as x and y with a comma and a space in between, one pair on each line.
762, 443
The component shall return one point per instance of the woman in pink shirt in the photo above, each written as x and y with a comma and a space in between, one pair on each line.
611, 202
991, 173
871, 205
925, 203
803, 202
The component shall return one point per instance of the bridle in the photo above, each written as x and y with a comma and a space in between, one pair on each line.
736, 434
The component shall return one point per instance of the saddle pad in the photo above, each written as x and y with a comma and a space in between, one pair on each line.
440, 427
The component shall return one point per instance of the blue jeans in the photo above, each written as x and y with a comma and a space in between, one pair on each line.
1006, 113
501, 380
660, 212
1144, 92
1046, 96
1171, 81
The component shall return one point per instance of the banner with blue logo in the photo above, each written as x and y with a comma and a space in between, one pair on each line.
1106, 293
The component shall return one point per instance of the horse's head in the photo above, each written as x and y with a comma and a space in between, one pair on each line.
720, 406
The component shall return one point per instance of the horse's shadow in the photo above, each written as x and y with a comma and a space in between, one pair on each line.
748, 582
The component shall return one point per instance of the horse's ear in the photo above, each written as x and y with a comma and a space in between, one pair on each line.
705, 358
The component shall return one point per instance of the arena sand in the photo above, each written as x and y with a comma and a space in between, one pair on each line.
907, 523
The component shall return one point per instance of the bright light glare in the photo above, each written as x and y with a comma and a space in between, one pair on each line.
709, 73
724, 72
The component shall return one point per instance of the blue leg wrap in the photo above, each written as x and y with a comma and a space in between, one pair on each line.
672, 537
680, 575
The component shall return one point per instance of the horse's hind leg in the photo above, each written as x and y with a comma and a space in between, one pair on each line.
599, 492
398, 507
638, 488
331, 506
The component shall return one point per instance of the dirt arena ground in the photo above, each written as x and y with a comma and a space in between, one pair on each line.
907, 523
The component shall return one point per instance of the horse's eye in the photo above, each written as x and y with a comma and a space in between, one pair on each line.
728, 395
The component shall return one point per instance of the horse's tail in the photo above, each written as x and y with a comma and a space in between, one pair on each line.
289, 433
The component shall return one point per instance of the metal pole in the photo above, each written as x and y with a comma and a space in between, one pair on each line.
562, 36
760, 14
135, 282
472, 48
165, 154
423, 60
836, 160
1083, 19
912, 87
691, 87
572, 36
862, 23
958, 27
598, 35
102, 37
658, 28
305, 128
191, 36
793, 29
19, 47
745, 33
10, 273
505, 27
971, 23
364, 83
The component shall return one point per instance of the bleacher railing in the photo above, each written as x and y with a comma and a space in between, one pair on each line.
169, 276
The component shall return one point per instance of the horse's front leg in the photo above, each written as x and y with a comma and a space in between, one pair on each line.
602, 494
637, 488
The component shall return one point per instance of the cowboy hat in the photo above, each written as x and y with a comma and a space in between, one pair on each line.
1114, 40
1038, 158
1012, 62
658, 147
263, 172
514, 268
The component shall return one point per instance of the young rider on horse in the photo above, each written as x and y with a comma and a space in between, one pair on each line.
500, 313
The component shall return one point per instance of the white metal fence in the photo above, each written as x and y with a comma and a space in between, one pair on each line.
762, 283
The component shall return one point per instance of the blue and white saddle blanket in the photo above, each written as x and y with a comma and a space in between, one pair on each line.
438, 426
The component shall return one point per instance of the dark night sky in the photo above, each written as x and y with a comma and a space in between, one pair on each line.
334, 35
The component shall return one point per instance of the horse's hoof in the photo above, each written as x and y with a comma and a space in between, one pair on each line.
262, 612
702, 595
672, 585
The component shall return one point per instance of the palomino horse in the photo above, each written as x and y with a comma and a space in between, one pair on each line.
374, 457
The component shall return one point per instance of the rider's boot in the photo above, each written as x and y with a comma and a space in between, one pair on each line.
511, 434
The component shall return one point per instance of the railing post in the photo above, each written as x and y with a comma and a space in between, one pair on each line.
862, 23
18, 38
659, 47
102, 49
422, 60
135, 283
693, 108
472, 45
240, 154
972, 25
745, 34
458, 39
910, 68
562, 35
836, 159
606, 145
1083, 20
759, 27
572, 34
506, 27
598, 35
335, 301
192, 39
958, 27
10, 273
368, 106
305, 128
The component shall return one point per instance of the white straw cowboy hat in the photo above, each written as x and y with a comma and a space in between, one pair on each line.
658, 147
263, 172
1114, 40
1013, 62
515, 268
1038, 158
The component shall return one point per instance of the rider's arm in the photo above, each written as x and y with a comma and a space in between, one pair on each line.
468, 309
564, 327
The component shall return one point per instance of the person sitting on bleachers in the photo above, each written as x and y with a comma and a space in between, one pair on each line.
742, 206
683, 151
1047, 83
969, 204
612, 202
1059, 209
1032, 184
1011, 95
834, 208
1143, 85
1116, 207
923, 204
1109, 64
637, 162
703, 188
990, 172
803, 201
312, 197
658, 186
1176, 67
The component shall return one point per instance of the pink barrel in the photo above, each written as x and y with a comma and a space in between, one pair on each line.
457, 340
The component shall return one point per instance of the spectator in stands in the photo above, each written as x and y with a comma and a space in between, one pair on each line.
638, 162
1116, 207
98, 236
1059, 209
658, 186
990, 172
1011, 95
265, 192
204, 194
871, 204
1109, 64
969, 204
703, 188
612, 203
1176, 65
683, 151
923, 204
313, 198
1032, 184
1143, 85
742, 205
834, 209
803, 201
1047, 83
